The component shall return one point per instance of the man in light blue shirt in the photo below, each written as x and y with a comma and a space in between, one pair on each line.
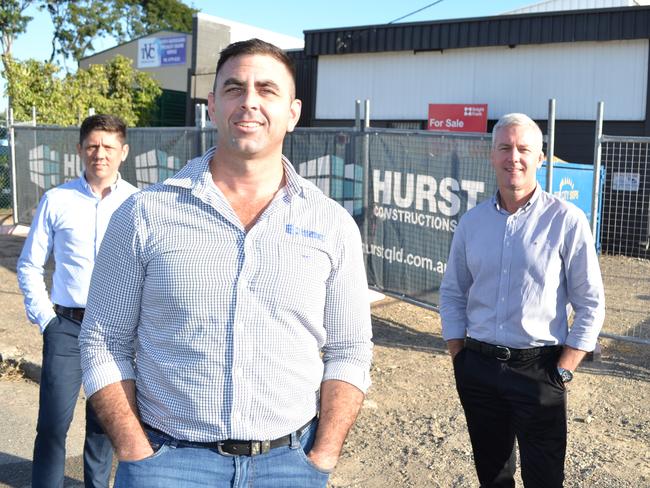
519, 263
69, 224
228, 307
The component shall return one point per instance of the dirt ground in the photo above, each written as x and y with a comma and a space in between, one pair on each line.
411, 431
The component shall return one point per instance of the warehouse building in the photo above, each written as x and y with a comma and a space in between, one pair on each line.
513, 62
184, 63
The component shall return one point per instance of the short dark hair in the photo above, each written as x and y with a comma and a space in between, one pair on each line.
252, 47
107, 123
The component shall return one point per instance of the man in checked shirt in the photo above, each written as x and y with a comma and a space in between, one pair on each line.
228, 281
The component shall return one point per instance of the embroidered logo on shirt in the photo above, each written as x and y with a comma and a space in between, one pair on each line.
298, 231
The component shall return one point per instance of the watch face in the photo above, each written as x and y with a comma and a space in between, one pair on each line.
566, 375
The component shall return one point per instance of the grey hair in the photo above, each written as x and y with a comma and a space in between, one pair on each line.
518, 120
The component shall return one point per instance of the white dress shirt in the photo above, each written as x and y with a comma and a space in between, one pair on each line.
70, 222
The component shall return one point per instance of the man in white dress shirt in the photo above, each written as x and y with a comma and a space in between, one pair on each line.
69, 224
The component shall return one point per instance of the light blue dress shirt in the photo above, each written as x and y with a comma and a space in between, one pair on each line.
511, 279
234, 331
69, 223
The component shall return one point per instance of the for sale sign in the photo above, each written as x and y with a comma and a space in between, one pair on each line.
457, 117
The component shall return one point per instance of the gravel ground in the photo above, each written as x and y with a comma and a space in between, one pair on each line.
412, 433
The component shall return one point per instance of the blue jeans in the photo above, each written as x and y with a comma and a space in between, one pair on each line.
59, 390
189, 467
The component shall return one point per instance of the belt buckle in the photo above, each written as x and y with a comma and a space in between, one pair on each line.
222, 452
506, 353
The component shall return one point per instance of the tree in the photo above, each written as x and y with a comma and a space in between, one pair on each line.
77, 23
148, 16
12, 22
114, 87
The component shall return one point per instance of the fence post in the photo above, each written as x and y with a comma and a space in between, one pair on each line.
597, 163
550, 145
203, 124
34, 115
357, 115
12, 155
365, 159
199, 121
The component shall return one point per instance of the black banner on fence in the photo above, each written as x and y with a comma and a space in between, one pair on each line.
419, 186
406, 190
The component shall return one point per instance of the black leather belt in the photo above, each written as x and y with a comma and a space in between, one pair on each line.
76, 314
237, 448
503, 353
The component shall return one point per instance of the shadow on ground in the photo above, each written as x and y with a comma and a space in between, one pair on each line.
16, 472
391, 334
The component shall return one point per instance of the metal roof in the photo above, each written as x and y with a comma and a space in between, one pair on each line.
505, 30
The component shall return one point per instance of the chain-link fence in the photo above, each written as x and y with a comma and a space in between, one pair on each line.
625, 236
416, 185
406, 190
5, 172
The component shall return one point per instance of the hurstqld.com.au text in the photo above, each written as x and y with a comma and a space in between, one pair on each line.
396, 254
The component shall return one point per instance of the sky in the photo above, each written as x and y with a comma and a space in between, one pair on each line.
290, 17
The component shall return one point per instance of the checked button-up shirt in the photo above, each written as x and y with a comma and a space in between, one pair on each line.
233, 331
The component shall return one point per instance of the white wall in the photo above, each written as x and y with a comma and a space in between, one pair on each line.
555, 5
243, 32
400, 85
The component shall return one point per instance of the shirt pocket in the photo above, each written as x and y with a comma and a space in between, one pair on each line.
294, 273
540, 267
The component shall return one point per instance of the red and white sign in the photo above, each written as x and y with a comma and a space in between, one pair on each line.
457, 117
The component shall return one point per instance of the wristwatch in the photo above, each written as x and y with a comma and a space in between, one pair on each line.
565, 374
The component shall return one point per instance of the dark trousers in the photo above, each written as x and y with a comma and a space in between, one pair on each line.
59, 391
523, 399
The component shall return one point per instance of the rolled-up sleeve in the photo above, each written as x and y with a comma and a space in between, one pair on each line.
347, 352
109, 330
584, 286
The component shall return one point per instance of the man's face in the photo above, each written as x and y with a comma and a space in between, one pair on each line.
102, 153
516, 155
253, 106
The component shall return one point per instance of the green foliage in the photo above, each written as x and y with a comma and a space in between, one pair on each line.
114, 88
77, 23
12, 21
147, 16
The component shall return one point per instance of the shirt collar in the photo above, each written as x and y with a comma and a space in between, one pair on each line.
86, 186
527, 206
196, 175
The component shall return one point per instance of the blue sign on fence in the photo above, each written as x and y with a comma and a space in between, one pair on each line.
573, 182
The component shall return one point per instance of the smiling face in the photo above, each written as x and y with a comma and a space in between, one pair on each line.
516, 155
102, 153
253, 107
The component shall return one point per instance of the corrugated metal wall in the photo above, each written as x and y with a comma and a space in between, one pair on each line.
400, 85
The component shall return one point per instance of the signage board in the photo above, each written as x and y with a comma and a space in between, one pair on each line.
154, 52
457, 117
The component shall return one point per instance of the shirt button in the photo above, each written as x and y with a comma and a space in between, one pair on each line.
505, 271
239, 372
503, 299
